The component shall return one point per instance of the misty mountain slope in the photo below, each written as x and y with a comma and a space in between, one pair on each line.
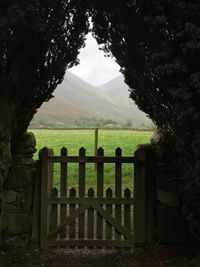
115, 88
117, 91
76, 99
87, 97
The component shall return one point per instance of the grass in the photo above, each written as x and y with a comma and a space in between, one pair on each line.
73, 140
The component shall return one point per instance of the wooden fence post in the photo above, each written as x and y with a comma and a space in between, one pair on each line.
144, 197
46, 184
139, 199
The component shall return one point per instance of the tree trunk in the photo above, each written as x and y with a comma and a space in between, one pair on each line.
5, 162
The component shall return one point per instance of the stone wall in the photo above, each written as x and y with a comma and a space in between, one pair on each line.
19, 193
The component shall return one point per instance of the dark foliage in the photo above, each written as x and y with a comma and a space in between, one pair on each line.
157, 45
38, 41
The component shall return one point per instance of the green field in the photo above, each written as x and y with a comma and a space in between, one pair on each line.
127, 140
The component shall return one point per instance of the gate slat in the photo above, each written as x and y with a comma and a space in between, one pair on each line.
127, 210
54, 210
100, 183
63, 190
81, 220
91, 216
72, 207
118, 188
109, 194
90, 219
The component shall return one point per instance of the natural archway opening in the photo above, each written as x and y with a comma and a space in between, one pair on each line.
92, 94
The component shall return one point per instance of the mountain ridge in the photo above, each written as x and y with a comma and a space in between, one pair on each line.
78, 103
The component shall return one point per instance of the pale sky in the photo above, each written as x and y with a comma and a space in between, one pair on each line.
94, 67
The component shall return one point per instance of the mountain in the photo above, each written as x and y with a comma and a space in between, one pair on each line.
79, 104
117, 91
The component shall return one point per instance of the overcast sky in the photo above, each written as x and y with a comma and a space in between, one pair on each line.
94, 67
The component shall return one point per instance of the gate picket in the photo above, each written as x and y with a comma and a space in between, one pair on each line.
72, 207
81, 220
63, 190
118, 188
90, 219
127, 210
54, 210
100, 181
109, 194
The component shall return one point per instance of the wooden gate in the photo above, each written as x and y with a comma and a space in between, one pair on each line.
76, 218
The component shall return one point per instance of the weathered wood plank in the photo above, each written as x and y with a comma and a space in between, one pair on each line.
63, 190
81, 220
100, 182
90, 219
50, 171
127, 210
54, 211
97, 200
92, 243
100, 174
118, 174
46, 185
109, 195
63, 174
72, 208
118, 188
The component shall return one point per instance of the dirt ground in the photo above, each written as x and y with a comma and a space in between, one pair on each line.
94, 258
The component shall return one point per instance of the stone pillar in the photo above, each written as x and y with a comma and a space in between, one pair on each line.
19, 193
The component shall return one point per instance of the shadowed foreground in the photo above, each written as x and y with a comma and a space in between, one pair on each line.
94, 258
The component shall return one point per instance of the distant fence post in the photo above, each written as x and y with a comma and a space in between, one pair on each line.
144, 197
46, 184
96, 139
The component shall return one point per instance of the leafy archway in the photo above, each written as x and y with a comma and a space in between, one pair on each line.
38, 41
157, 46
